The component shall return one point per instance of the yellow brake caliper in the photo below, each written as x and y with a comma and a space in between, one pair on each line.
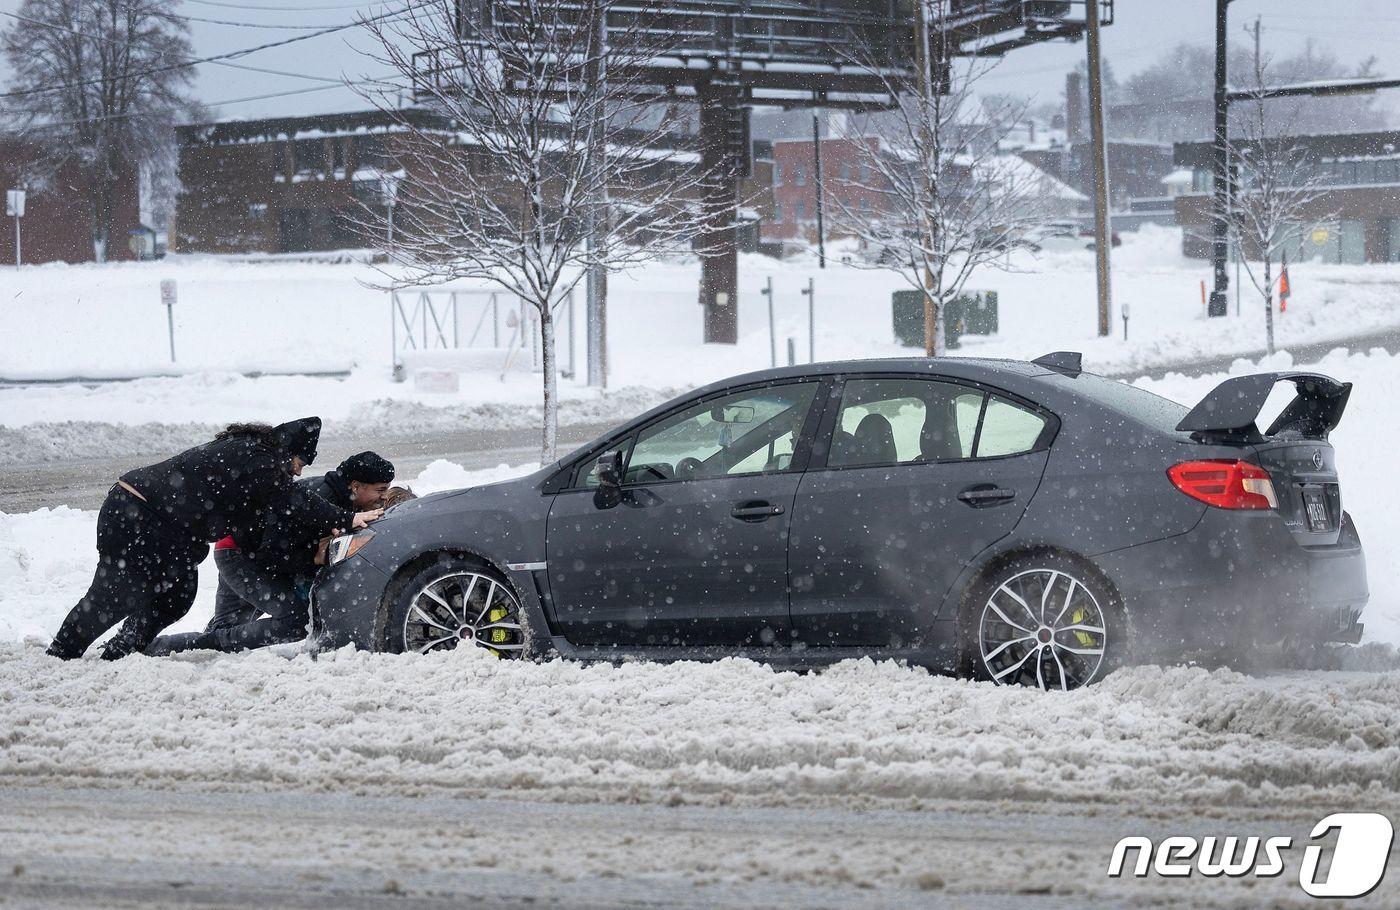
1085, 639
498, 636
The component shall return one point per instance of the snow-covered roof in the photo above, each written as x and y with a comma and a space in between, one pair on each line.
1017, 168
1179, 177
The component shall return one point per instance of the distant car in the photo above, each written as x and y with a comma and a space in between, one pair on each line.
1028, 523
1064, 236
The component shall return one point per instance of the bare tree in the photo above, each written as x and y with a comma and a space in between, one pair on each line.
935, 199
97, 86
499, 182
1278, 191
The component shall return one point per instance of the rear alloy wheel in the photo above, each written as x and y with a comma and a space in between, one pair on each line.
1045, 627
466, 605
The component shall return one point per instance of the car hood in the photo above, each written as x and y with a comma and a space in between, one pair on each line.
434, 504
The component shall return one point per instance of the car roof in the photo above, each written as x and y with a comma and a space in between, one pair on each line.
960, 367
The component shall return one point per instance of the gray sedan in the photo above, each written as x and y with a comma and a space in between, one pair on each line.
1027, 523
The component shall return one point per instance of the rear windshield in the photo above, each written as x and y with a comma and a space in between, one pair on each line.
1141, 406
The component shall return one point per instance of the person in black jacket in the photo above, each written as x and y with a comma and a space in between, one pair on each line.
262, 597
157, 522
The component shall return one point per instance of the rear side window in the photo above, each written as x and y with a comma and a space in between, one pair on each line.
1008, 429
910, 421
1137, 404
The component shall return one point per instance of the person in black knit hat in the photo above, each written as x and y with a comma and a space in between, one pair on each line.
157, 522
264, 584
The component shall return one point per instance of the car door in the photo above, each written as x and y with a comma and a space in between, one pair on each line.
695, 554
912, 479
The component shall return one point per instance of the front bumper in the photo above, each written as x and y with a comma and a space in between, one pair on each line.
1237, 579
345, 602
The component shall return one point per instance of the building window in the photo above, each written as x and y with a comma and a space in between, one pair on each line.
257, 210
799, 211
308, 156
778, 212
845, 172
777, 175
800, 175
370, 152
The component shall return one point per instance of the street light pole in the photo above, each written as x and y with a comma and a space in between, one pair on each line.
1220, 170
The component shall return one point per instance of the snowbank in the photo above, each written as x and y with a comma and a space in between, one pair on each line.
859, 734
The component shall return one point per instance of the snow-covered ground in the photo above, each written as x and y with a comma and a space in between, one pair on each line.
235, 317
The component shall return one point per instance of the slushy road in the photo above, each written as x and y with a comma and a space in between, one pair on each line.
82, 848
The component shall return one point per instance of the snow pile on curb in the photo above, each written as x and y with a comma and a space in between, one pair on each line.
858, 734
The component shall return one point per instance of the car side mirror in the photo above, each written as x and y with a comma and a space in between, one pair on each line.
609, 472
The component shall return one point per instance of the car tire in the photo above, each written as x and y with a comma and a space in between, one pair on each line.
449, 600
1043, 619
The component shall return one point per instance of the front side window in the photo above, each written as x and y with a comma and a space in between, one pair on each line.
750, 432
912, 421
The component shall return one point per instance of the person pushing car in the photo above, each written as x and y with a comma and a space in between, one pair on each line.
263, 584
157, 522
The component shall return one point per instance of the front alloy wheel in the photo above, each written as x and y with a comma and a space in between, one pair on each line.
464, 606
1042, 627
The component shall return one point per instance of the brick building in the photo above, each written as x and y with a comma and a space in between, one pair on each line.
1355, 217
57, 222
850, 185
281, 185
301, 184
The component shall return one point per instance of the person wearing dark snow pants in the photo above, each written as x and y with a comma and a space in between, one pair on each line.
157, 522
274, 577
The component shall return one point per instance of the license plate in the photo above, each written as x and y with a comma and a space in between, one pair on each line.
1315, 501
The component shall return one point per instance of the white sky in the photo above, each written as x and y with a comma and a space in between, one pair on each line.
1144, 28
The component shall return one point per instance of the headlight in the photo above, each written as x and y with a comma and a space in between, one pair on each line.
347, 545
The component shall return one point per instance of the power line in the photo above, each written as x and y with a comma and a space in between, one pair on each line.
196, 62
244, 24
284, 9
272, 72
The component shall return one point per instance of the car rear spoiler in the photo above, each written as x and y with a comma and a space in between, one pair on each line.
1231, 408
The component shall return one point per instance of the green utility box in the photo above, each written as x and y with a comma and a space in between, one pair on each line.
971, 313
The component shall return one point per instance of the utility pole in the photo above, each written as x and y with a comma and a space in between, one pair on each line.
1103, 232
1220, 170
596, 277
817, 169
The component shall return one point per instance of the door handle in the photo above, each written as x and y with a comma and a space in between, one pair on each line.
984, 495
755, 511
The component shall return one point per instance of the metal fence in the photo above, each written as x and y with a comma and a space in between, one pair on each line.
452, 319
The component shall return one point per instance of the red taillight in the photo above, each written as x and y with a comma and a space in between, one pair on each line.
1225, 484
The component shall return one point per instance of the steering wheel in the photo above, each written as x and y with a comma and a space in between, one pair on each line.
688, 467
